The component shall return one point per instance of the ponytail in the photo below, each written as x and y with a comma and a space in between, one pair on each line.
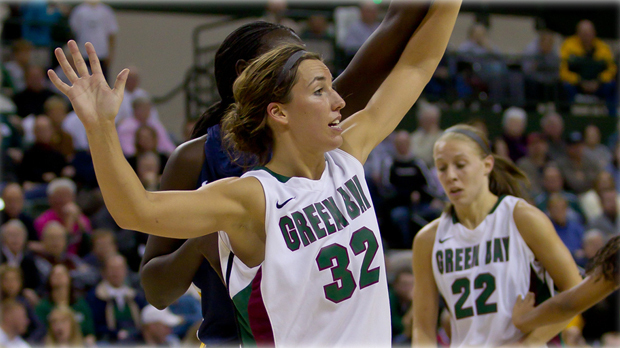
209, 118
506, 178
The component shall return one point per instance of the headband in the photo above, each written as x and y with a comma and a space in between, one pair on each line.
473, 136
288, 65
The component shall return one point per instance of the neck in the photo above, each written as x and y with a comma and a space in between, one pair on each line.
7, 330
289, 160
472, 214
60, 295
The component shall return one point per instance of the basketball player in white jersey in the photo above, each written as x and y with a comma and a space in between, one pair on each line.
487, 248
304, 222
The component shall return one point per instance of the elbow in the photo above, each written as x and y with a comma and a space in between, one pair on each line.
156, 300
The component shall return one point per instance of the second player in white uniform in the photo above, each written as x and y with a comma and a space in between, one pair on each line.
480, 273
488, 248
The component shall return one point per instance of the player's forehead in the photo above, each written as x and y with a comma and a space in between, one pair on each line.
311, 70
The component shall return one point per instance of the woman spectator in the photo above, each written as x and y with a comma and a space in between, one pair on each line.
11, 280
146, 141
60, 292
64, 330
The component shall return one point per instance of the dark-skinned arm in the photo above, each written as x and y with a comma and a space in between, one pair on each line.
376, 58
169, 265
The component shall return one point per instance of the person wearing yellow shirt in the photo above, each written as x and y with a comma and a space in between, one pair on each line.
587, 66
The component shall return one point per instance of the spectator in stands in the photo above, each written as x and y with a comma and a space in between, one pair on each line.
11, 280
578, 170
593, 240
40, 19
541, 65
95, 22
11, 148
30, 101
318, 29
146, 141
590, 201
64, 330
428, 131
593, 147
13, 197
513, 125
148, 167
22, 55
608, 221
54, 240
360, 30
15, 253
56, 108
14, 323
116, 306
275, 12
104, 246
588, 66
503, 86
401, 297
41, 162
533, 164
411, 182
74, 127
63, 209
552, 126
142, 116
569, 230
553, 182
614, 166
60, 292
157, 326
132, 92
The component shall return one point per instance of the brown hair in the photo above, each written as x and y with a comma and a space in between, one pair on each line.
605, 262
245, 122
505, 177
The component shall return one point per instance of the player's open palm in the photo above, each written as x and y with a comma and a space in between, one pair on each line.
92, 98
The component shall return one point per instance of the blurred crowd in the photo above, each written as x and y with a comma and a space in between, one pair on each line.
68, 273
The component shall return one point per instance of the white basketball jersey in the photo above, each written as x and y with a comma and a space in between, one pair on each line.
323, 280
481, 272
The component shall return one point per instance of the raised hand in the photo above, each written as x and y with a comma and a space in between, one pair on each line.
90, 95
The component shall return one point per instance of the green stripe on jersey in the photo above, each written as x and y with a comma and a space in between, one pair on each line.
241, 301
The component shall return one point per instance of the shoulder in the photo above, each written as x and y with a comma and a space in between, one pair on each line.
426, 236
184, 165
531, 222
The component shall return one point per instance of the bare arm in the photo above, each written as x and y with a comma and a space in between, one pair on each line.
562, 307
178, 214
167, 271
376, 58
425, 293
367, 128
539, 234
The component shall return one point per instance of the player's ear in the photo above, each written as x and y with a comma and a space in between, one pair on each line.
276, 113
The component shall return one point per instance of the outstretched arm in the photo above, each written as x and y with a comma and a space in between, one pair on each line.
367, 128
562, 307
181, 214
376, 58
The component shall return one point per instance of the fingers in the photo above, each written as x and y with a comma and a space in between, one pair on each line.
119, 85
80, 64
95, 65
64, 64
530, 298
63, 87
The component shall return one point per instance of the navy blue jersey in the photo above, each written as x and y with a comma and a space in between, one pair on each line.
218, 325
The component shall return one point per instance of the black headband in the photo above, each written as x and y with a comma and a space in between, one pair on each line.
288, 65
473, 136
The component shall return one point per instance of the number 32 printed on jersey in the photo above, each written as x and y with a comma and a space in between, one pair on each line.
336, 258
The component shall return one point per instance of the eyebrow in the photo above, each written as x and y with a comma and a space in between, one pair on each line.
316, 78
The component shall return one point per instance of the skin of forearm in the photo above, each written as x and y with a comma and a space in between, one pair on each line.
385, 47
160, 277
122, 191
